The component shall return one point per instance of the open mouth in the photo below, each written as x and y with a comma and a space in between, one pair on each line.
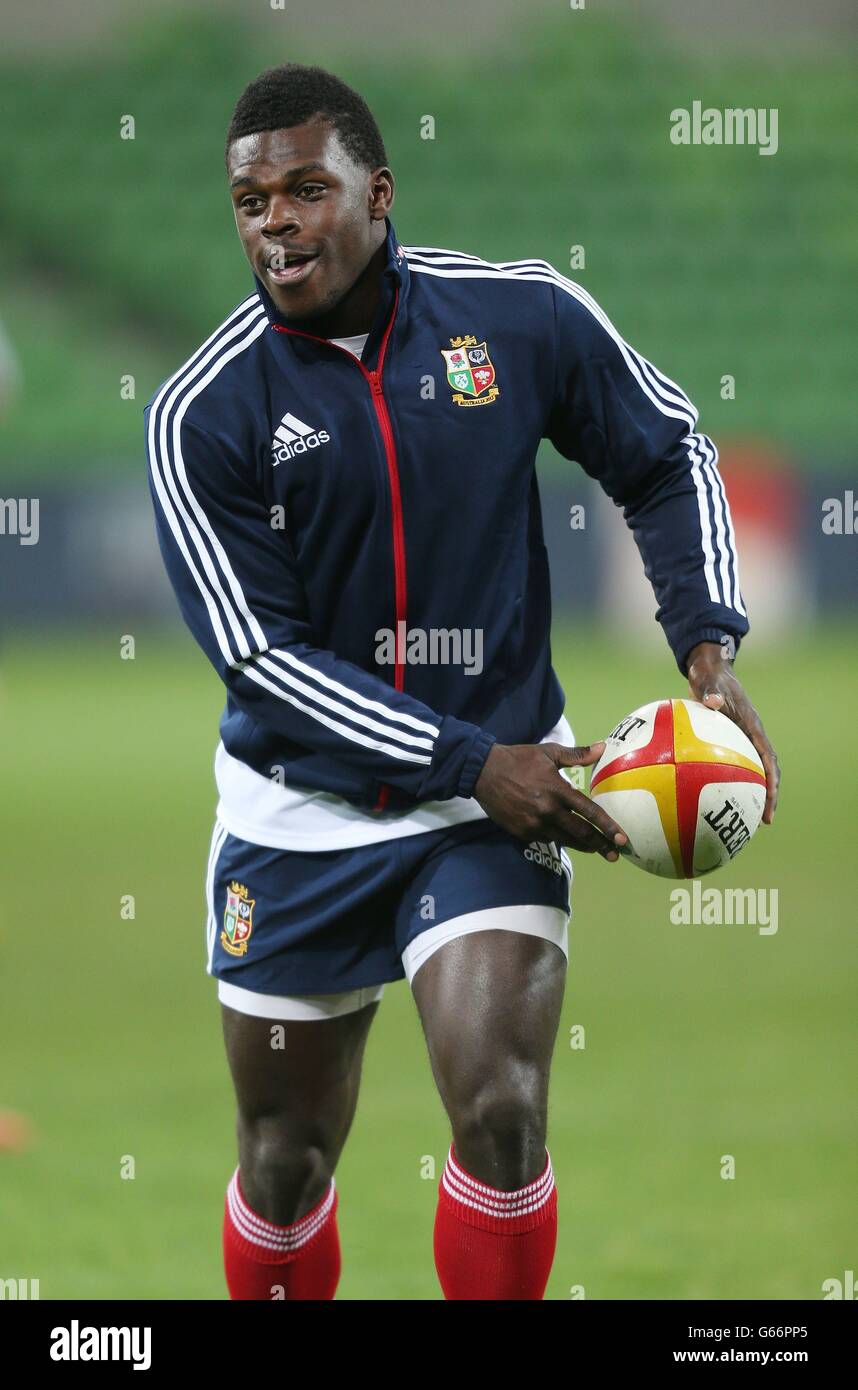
288, 269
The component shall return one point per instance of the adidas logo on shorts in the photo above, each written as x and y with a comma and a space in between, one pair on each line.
293, 437
545, 854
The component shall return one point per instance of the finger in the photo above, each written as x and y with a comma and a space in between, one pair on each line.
585, 838
591, 811
757, 734
713, 700
584, 756
773, 778
772, 789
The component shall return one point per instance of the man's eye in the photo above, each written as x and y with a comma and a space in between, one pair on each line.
311, 188
244, 204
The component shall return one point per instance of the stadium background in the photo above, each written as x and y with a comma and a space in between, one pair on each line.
118, 256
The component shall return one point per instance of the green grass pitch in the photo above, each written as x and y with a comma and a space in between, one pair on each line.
700, 1041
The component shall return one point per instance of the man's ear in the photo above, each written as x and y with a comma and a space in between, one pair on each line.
381, 193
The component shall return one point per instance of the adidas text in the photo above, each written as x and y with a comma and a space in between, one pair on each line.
293, 437
543, 854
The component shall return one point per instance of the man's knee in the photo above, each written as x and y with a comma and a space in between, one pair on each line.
295, 1106
499, 1128
284, 1169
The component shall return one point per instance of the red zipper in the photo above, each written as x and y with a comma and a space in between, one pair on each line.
383, 417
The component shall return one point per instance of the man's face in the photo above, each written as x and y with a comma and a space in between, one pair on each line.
297, 192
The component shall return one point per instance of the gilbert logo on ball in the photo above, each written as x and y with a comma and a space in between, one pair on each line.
685, 784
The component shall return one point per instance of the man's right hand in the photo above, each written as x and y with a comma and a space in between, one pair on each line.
522, 790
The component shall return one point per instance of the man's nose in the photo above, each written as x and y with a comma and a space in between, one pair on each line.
281, 217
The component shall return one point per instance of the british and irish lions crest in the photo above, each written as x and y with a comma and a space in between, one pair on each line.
470, 371
237, 919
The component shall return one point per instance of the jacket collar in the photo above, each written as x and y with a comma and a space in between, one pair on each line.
395, 278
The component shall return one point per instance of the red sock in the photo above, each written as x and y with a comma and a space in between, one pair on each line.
261, 1260
491, 1244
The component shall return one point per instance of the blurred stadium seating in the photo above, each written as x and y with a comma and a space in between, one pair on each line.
119, 255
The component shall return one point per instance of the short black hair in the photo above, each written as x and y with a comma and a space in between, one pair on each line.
294, 93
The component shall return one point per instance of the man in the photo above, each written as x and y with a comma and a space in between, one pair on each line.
344, 488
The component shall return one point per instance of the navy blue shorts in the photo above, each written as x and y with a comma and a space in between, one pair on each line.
284, 922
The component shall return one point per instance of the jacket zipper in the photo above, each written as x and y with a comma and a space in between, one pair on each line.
383, 416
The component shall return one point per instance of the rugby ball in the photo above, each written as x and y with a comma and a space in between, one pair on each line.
685, 784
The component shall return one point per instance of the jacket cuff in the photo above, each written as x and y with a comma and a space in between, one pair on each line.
460, 752
475, 762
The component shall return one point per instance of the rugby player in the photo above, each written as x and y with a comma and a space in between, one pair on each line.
345, 497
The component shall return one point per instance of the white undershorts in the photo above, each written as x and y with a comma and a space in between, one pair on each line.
550, 923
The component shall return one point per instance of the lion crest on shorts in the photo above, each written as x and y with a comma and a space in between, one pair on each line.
237, 919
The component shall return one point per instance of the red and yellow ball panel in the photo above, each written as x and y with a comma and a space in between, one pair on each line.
686, 785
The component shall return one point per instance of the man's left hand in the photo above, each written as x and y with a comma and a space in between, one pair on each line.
712, 682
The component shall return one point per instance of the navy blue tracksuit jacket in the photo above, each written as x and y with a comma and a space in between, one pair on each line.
306, 500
